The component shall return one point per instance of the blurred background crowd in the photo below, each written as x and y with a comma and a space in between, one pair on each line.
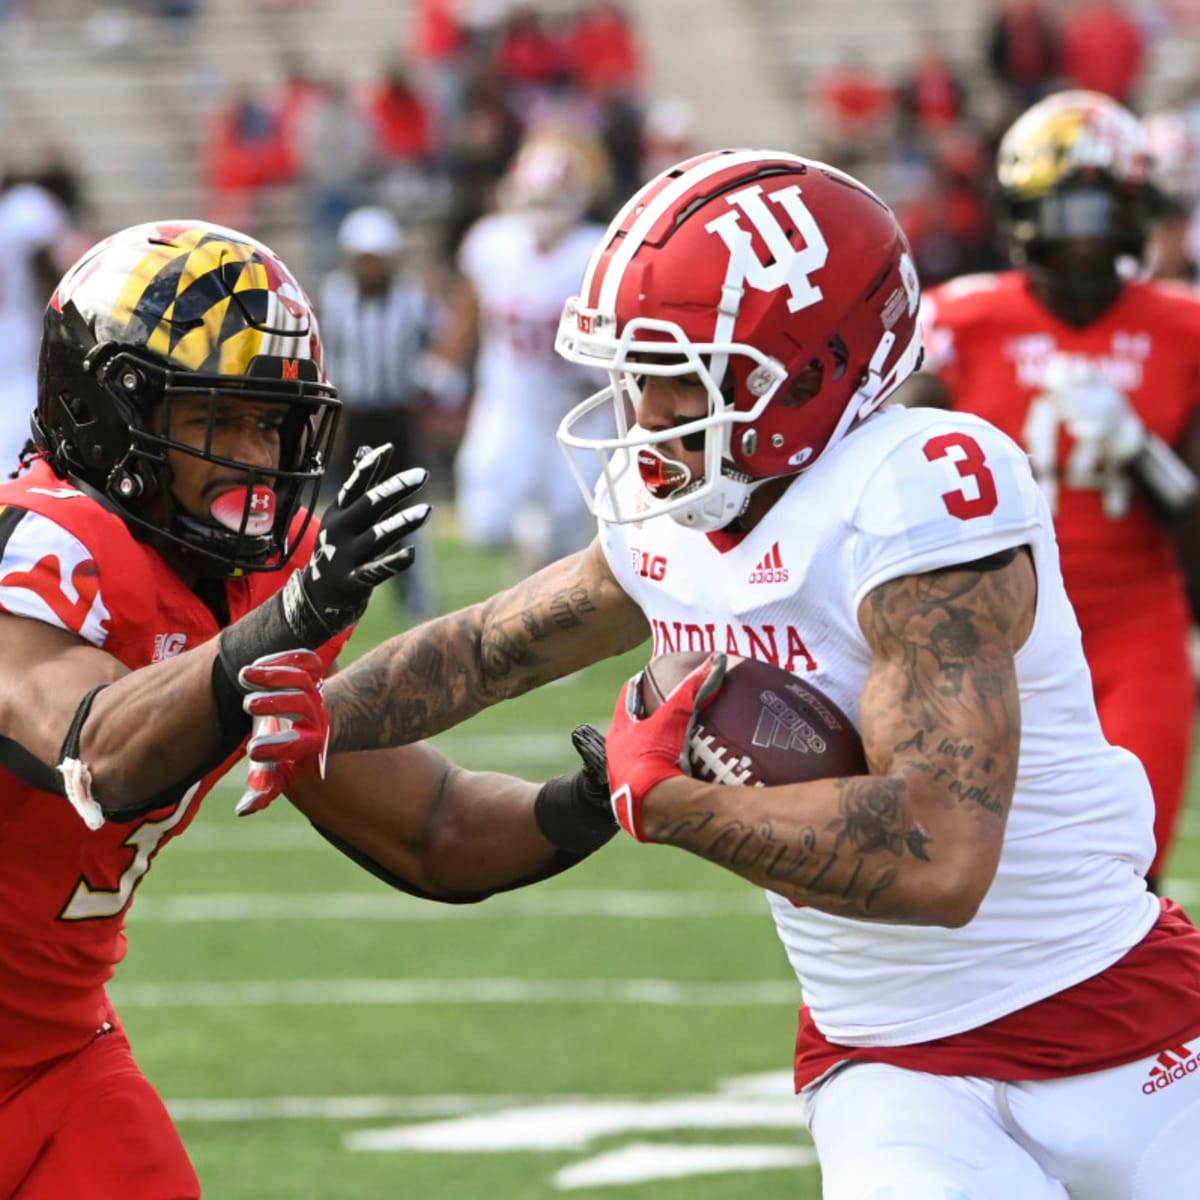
437, 171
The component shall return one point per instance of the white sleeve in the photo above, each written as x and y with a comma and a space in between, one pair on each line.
49, 575
958, 491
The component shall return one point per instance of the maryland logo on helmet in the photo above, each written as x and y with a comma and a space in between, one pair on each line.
1067, 135
205, 298
167, 310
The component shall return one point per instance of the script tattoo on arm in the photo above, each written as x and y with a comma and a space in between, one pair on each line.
430, 678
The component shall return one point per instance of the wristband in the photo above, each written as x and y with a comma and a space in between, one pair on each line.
569, 819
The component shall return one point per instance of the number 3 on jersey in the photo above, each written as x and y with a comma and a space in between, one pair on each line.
977, 497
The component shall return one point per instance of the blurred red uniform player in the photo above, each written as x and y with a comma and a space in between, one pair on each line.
156, 558
1097, 375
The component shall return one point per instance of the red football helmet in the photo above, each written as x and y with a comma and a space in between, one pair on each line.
787, 286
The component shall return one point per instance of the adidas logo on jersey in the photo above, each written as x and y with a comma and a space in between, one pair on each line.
1171, 1066
771, 569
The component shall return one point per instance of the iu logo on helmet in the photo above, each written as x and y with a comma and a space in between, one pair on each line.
786, 265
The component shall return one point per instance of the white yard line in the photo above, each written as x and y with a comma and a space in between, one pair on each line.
535, 903
297, 993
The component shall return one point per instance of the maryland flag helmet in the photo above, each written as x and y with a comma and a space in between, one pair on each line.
1076, 165
185, 308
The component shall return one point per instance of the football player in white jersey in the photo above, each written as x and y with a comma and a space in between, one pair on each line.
33, 229
995, 1005
519, 264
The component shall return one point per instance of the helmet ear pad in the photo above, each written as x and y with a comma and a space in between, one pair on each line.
89, 405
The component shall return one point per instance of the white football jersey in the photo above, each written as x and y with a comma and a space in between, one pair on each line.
31, 219
908, 491
521, 292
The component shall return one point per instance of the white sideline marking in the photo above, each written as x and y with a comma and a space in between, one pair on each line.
331, 1108
389, 992
563, 1124
643, 1162
762, 1085
539, 903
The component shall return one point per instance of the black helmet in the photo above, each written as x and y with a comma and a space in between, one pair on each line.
1075, 192
176, 308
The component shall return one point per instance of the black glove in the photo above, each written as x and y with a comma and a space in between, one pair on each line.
574, 812
359, 546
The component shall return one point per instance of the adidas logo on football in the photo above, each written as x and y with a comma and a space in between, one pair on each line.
771, 569
1171, 1066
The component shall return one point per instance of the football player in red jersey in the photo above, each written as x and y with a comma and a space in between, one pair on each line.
995, 1006
161, 584
1097, 374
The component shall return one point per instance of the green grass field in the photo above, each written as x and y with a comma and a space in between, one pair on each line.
622, 1031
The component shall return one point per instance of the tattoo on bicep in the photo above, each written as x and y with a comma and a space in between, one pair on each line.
946, 685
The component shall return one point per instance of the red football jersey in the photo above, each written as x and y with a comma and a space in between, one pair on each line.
991, 343
64, 889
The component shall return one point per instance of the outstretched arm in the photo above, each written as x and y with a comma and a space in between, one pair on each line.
414, 819
565, 617
917, 840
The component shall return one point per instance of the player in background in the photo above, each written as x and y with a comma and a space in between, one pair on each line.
160, 584
34, 227
1096, 373
517, 266
1173, 248
995, 1005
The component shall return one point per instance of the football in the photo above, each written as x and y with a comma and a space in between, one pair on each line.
766, 726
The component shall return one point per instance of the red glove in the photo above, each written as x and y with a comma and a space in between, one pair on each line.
291, 724
643, 751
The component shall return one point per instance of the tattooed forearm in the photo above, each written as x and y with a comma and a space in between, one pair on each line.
439, 674
850, 865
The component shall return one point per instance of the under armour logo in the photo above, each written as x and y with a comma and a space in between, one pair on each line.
324, 552
786, 265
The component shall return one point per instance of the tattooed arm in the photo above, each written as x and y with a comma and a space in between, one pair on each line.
917, 841
567, 616
404, 811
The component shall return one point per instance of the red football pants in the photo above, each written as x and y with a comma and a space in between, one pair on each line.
90, 1125
1146, 697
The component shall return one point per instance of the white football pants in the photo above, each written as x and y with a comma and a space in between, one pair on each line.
883, 1133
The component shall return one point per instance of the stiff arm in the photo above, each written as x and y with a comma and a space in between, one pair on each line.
565, 617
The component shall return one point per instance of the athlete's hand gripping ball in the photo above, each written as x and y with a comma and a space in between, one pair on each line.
643, 750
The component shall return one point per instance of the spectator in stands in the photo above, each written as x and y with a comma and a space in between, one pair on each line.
1022, 48
400, 119
245, 151
376, 318
1103, 49
853, 109
481, 147
930, 96
438, 43
604, 50
533, 56
336, 157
